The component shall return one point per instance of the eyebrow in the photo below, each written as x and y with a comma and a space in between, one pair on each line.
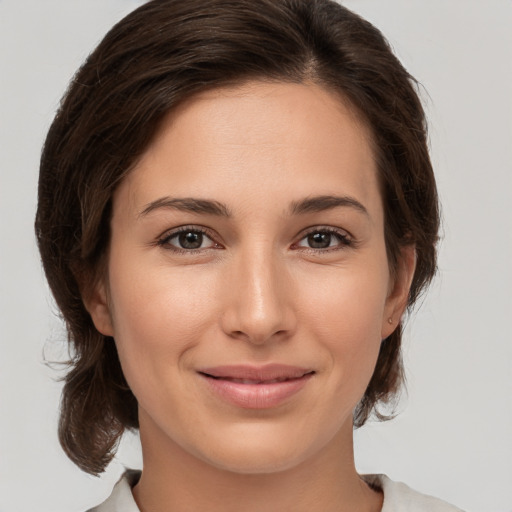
308, 205
322, 203
187, 204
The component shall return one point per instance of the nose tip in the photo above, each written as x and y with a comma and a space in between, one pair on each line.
259, 327
259, 308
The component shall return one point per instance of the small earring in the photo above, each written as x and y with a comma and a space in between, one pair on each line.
390, 320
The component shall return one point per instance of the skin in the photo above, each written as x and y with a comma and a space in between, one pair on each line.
254, 292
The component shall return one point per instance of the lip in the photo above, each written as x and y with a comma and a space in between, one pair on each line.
256, 387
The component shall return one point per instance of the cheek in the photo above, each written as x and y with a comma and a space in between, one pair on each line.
349, 303
345, 313
158, 316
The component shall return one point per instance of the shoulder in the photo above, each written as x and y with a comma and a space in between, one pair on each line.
398, 497
121, 498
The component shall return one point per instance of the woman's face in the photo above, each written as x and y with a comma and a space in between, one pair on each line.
248, 286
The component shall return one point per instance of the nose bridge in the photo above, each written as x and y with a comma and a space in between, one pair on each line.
259, 307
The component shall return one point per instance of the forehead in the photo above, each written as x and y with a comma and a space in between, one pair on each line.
290, 139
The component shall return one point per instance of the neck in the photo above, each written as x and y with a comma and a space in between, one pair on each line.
175, 480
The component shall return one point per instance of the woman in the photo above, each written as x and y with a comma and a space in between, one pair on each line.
236, 206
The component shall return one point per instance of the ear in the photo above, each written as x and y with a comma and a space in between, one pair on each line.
97, 304
400, 284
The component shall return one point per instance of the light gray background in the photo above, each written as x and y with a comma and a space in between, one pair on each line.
453, 437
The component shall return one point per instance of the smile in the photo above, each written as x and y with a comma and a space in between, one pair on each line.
251, 387
250, 381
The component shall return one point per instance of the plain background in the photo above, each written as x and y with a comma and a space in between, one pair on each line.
453, 437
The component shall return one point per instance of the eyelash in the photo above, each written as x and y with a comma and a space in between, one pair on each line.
344, 239
164, 240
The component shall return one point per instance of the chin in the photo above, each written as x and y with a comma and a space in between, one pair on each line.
254, 460
261, 449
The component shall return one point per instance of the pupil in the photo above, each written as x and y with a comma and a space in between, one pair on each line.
319, 240
191, 240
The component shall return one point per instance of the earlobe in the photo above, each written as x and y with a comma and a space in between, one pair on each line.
396, 301
98, 307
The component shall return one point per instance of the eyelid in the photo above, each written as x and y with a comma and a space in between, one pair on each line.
345, 238
324, 228
163, 239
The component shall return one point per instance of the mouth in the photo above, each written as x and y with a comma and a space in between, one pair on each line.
251, 387
253, 381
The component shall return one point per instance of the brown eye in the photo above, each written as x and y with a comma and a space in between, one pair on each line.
187, 240
325, 239
190, 240
319, 240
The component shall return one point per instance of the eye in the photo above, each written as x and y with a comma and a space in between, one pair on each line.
324, 239
187, 239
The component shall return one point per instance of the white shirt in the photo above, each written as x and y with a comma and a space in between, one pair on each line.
398, 497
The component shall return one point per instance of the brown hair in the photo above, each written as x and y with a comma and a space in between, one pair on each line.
159, 55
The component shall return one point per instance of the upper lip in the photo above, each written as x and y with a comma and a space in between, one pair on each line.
265, 373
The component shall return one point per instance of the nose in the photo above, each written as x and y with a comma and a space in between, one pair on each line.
259, 302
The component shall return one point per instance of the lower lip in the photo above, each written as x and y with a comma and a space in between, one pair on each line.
256, 396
